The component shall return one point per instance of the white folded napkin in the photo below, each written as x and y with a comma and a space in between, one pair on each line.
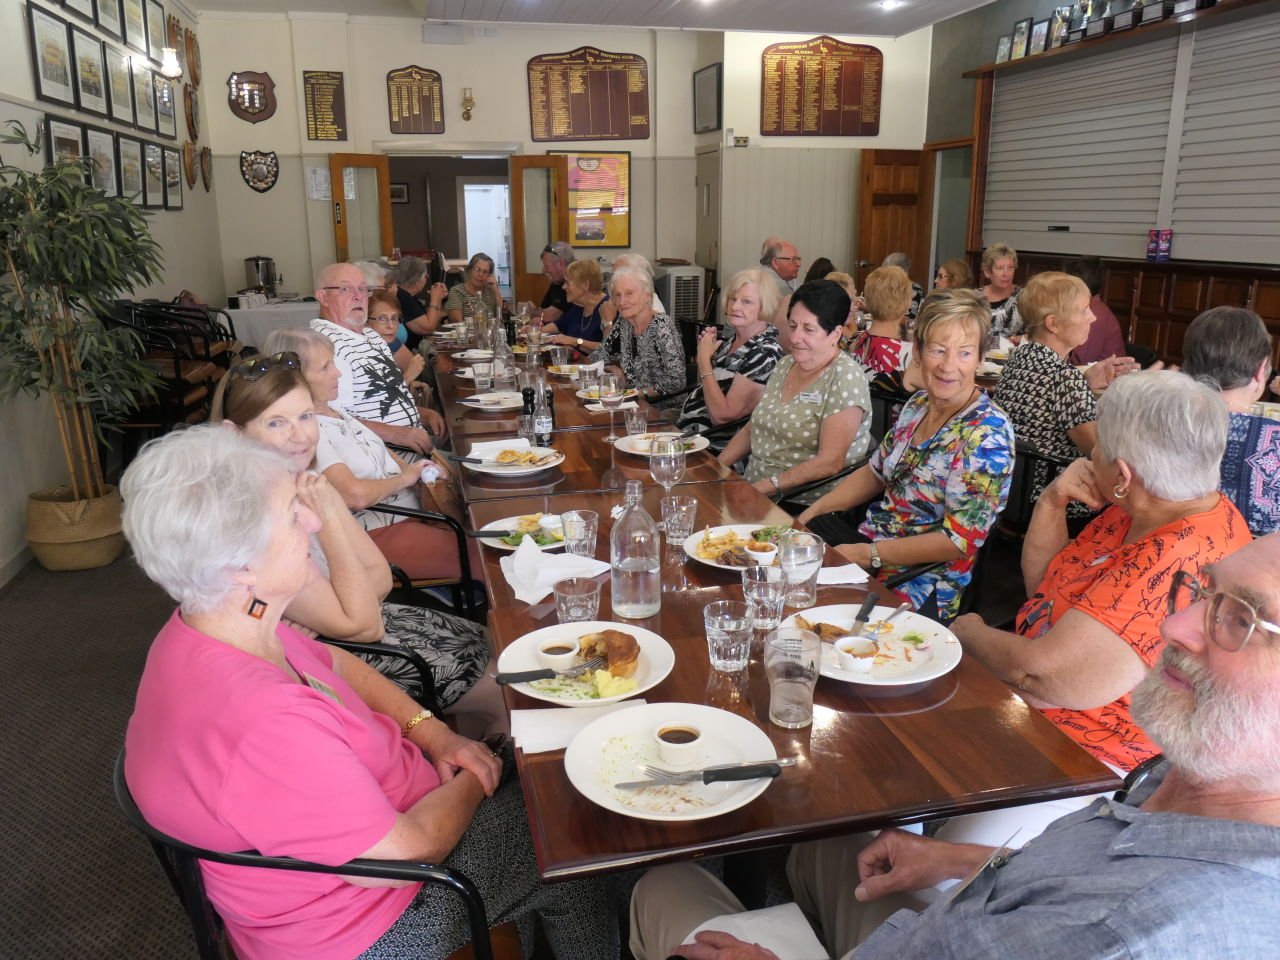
782, 929
489, 449
599, 408
533, 573
849, 573
537, 731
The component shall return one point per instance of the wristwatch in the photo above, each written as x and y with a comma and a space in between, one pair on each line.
777, 487
876, 562
579, 341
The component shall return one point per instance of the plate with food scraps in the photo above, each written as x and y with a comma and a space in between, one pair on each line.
594, 394
519, 463
637, 660
911, 650
528, 525
641, 444
498, 400
614, 748
524, 348
563, 369
474, 356
726, 547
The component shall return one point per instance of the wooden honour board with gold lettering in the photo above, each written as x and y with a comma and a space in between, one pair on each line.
414, 96
325, 99
589, 94
822, 87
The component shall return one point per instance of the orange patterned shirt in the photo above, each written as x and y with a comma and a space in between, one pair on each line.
1124, 587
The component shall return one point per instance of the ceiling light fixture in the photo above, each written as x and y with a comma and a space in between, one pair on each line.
889, 4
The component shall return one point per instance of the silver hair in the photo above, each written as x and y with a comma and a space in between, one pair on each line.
478, 258
897, 260
410, 270
771, 248
633, 261
301, 340
196, 510
1169, 428
640, 276
375, 274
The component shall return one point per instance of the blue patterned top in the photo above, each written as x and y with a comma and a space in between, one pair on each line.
1251, 471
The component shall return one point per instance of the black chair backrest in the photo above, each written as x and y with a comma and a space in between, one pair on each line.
1033, 469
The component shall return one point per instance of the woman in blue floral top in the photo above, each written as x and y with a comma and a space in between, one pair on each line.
941, 474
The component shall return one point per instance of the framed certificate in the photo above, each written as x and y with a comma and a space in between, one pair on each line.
172, 179
707, 98
90, 74
51, 56
100, 148
129, 164
144, 96
152, 176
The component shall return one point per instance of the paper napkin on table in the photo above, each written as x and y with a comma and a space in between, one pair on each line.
533, 573
598, 408
781, 929
490, 449
537, 731
849, 573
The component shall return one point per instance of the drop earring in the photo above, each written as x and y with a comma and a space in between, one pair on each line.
257, 608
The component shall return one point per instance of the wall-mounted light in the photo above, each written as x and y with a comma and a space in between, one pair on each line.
169, 63
468, 103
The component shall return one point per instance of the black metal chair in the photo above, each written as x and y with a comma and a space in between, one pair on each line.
460, 588
180, 862
1033, 469
424, 690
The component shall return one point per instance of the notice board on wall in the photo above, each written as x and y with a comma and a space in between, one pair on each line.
588, 94
822, 87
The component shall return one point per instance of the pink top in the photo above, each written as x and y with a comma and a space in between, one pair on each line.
1105, 339
227, 752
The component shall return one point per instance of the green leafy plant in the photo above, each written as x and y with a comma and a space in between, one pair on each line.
69, 251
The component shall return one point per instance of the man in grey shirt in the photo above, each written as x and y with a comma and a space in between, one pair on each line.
1187, 867
781, 259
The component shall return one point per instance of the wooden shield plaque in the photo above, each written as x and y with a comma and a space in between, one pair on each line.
189, 163
173, 33
206, 168
191, 100
252, 95
193, 56
260, 169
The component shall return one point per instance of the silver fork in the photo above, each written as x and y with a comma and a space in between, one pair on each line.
682, 776
578, 670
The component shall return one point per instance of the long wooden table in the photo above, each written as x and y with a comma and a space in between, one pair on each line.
964, 744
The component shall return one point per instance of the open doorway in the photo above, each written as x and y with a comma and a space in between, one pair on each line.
484, 207
953, 170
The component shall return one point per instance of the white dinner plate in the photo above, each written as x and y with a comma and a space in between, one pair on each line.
655, 662
641, 444
501, 470
465, 373
613, 748
563, 370
491, 402
510, 524
594, 394
524, 348
474, 356
743, 530
938, 657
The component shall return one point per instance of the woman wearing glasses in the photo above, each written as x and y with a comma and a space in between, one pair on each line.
385, 320
478, 291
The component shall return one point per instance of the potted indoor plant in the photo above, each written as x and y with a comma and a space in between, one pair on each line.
68, 251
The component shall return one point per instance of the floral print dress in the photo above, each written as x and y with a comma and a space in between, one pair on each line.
956, 481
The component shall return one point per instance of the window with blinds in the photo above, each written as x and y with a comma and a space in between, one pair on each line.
1077, 152
1226, 203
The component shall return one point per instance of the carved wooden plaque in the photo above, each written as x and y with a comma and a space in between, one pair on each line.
822, 87
589, 94
415, 100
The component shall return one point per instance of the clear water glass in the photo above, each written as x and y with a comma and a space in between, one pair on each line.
483, 374
679, 514
559, 356
577, 599
763, 588
588, 379
791, 660
611, 396
728, 625
525, 428
580, 528
635, 422
800, 557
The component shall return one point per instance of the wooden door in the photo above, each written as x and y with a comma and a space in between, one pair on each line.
539, 215
361, 192
895, 210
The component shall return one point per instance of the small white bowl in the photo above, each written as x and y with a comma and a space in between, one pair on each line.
551, 522
565, 653
856, 654
765, 557
679, 744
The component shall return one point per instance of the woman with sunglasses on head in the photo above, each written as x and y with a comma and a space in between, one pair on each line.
268, 400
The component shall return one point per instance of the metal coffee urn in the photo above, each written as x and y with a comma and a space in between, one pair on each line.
260, 275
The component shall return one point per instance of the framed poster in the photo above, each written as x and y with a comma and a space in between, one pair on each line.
707, 98
89, 73
1039, 38
166, 107
51, 56
119, 83
100, 148
129, 164
152, 176
399, 193
63, 140
135, 24
1003, 46
155, 30
172, 179
144, 96
599, 197
82, 8
1021, 37
109, 19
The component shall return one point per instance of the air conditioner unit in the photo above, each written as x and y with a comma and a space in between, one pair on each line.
681, 290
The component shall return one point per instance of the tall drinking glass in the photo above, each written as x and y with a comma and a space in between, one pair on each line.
666, 463
800, 557
611, 396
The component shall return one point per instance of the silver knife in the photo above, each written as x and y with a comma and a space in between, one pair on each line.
750, 770
864, 614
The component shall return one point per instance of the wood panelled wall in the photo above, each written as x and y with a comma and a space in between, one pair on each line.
1155, 302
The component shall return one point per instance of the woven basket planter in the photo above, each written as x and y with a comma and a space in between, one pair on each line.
67, 534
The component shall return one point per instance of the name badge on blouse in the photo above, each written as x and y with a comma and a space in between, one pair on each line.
321, 687
809, 396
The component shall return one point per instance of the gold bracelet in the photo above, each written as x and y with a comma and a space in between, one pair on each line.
413, 721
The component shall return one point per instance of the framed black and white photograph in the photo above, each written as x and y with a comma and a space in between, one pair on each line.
119, 83
135, 24
152, 176
144, 96
63, 139
1021, 37
100, 148
107, 14
155, 30
1039, 38
51, 56
90, 74
83, 8
166, 107
129, 165
1002, 48
399, 193
172, 179
707, 98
